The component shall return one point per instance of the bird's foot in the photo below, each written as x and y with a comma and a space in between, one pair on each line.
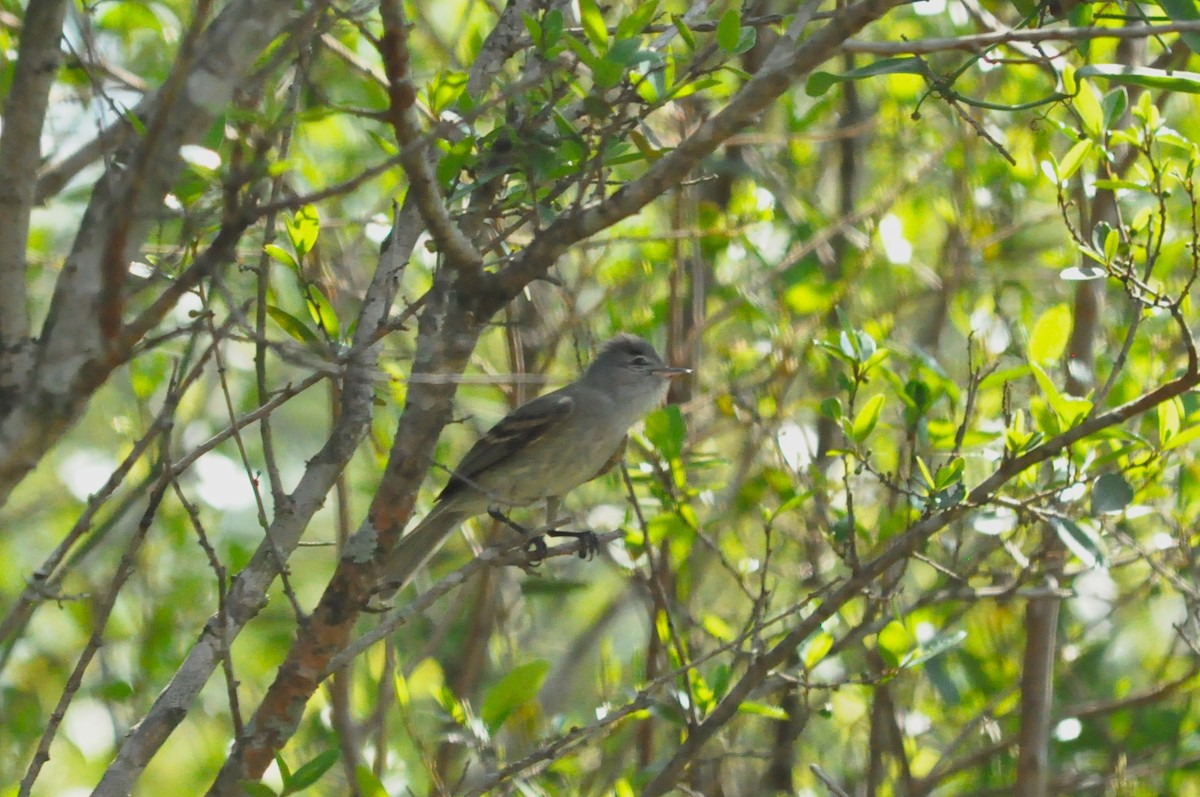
536, 547
589, 543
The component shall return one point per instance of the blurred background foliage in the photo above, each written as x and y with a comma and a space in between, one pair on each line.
902, 276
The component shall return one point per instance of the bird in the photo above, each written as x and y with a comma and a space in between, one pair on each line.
542, 450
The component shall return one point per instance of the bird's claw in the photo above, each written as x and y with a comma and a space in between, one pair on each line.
589, 543
537, 550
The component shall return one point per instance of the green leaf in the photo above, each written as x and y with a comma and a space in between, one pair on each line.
302, 229
368, 784
936, 647
718, 628
285, 772
1082, 540
865, 420
1091, 115
1049, 337
552, 28
762, 710
278, 253
1170, 419
831, 408
1068, 409
512, 692
634, 23
533, 27
1115, 103
311, 772
1110, 493
820, 82
893, 643
817, 648
665, 428
593, 24
323, 313
1182, 438
254, 788
685, 32
1071, 162
1145, 77
291, 324
729, 29
1183, 11
950, 473
926, 474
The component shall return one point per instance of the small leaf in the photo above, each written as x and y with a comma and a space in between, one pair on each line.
512, 691
254, 788
1073, 160
291, 325
633, 24
1069, 410
1169, 420
312, 771
1115, 104
1182, 438
816, 649
552, 28
666, 429
831, 408
866, 419
925, 474
278, 253
533, 27
747, 38
1082, 540
593, 24
368, 784
729, 29
950, 473
1087, 105
1049, 337
718, 628
1110, 493
685, 32
302, 229
936, 647
1100, 234
762, 710
1183, 11
323, 313
893, 643
820, 82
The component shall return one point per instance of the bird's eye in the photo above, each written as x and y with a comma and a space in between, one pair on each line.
640, 360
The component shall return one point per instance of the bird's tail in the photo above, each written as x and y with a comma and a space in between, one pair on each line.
418, 546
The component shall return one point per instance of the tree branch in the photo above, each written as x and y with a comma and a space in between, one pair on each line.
898, 549
20, 153
459, 252
787, 62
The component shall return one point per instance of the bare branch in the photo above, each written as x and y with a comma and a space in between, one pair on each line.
20, 136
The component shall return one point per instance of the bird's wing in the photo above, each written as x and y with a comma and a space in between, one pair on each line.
515, 432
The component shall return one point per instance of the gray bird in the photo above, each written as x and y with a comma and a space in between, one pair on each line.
543, 449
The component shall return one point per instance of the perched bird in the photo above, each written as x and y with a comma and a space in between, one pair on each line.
543, 449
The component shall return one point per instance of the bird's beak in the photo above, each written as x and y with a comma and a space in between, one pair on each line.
671, 372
